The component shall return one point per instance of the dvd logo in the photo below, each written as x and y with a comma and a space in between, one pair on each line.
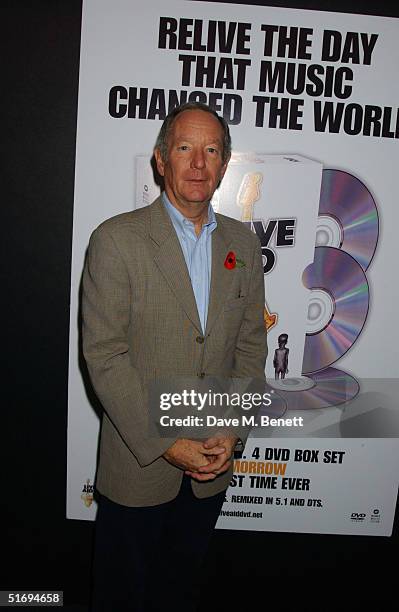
358, 516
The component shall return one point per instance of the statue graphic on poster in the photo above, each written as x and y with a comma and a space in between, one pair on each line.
280, 360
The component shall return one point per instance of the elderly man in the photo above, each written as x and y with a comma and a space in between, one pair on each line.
162, 297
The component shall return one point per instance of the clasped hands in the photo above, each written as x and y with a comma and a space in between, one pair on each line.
202, 460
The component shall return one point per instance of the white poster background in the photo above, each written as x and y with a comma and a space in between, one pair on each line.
119, 47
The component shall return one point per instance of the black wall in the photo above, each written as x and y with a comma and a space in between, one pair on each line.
39, 548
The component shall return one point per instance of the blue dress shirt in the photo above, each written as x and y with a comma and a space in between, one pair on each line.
197, 251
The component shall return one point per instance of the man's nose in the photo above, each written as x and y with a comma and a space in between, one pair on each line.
198, 159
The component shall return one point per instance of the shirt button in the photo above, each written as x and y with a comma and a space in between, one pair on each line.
199, 339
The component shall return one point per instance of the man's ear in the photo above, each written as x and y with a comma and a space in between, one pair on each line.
160, 162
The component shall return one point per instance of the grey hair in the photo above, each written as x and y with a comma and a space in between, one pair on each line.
162, 139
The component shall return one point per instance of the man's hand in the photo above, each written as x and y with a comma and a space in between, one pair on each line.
191, 455
220, 462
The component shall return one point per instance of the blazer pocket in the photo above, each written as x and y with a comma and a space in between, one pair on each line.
239, 302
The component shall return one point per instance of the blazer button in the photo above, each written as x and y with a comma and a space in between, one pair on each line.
199, 339
201, 375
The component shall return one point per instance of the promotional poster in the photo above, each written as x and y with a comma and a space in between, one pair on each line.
310, 100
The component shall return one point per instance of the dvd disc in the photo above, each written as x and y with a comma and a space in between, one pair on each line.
278, 406
338, 275
348, 217
332, 387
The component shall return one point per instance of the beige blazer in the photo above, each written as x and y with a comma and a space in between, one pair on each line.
140, 322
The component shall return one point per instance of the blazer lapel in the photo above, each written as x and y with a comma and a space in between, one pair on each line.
220, 277
169, 258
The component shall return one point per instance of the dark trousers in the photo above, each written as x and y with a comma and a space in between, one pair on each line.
149, 559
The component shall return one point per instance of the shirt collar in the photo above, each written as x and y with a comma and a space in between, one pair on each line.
181, 220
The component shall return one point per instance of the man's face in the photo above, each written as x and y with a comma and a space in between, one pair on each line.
195, 165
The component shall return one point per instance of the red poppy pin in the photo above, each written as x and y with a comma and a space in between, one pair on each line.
232, 261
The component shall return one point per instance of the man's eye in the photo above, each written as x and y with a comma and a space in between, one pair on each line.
212, 150
182, 148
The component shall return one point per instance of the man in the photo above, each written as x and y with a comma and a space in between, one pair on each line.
162, 298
